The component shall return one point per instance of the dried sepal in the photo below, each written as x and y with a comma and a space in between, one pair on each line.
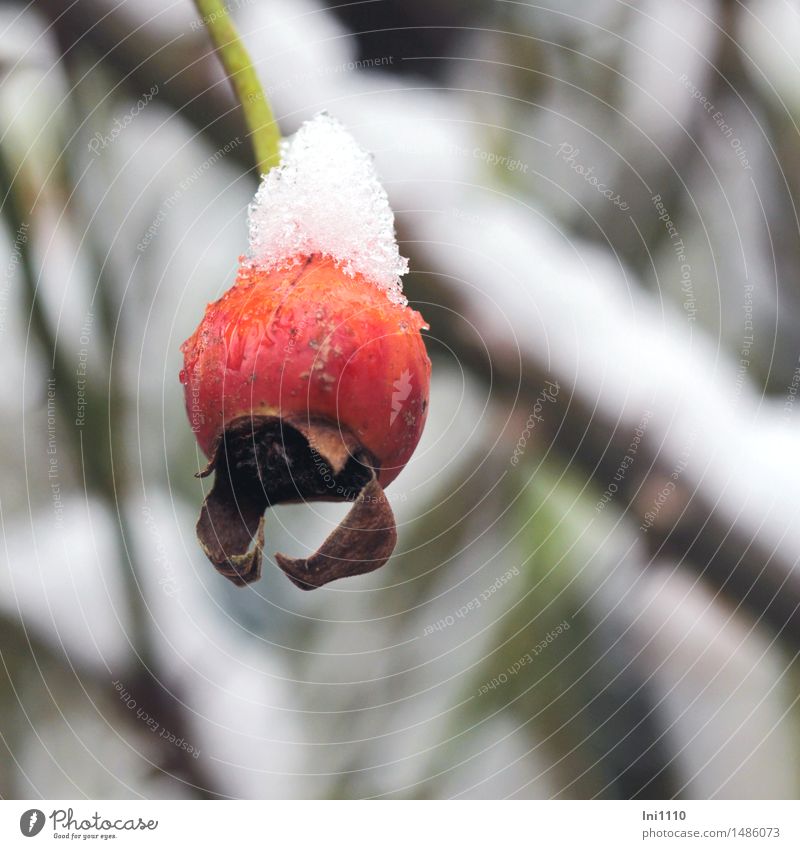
363, 542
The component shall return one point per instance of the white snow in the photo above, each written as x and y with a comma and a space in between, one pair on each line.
325, 198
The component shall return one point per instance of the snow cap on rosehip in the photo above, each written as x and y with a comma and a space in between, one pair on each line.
308, 379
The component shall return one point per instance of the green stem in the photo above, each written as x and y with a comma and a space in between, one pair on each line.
264, 133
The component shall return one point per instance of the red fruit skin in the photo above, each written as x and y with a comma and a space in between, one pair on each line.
308, 340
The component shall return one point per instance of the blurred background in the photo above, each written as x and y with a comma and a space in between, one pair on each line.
596, 589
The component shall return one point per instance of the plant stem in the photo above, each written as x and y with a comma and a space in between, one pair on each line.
265, 136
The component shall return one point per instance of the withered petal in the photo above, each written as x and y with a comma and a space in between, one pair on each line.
363, 542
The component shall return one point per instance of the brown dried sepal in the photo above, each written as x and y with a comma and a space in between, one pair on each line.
363, 542
264, 460
226, 529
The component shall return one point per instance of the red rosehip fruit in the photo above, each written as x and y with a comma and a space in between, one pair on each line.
304, 383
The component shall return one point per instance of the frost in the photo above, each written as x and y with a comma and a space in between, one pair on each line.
325, 198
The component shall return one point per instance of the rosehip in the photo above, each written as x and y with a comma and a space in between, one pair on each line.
304, 383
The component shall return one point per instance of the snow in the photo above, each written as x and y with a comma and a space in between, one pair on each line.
325, 198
